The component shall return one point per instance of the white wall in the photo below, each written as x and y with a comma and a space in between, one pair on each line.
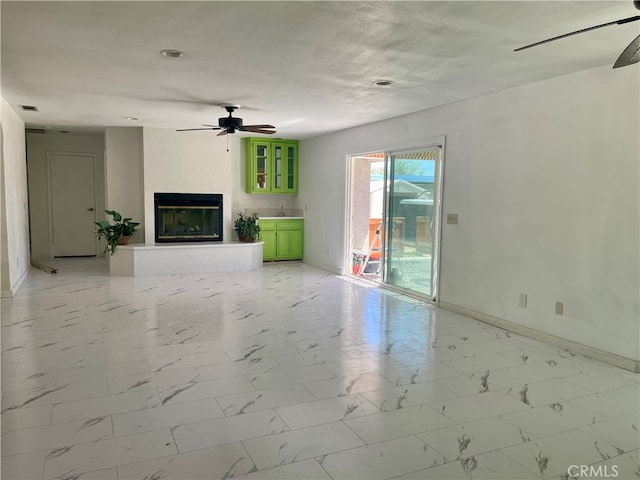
14, 230
188, 162
545, 179
37, 147
124, 174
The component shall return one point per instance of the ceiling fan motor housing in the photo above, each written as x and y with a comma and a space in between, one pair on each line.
230, 122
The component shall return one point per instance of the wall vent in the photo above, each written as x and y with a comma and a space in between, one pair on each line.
35, 130
29, 108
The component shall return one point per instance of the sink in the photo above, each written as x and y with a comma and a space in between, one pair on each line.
276, 212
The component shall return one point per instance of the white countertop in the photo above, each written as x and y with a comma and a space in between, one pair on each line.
275, 213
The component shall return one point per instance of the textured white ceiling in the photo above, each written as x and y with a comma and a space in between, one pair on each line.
306, 67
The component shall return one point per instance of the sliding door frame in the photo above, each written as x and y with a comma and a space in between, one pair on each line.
439, 143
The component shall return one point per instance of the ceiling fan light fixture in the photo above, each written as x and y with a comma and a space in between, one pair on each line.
170, 53
383, 83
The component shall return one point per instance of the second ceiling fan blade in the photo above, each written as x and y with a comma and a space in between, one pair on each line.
616, 22
258, 126
630, 55
192, 129
258, 130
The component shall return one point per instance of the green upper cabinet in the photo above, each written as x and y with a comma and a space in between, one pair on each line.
272, 165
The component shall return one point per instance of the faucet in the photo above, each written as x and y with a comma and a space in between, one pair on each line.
282, 214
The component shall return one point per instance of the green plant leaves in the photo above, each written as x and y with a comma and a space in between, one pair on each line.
247, 226
123, 227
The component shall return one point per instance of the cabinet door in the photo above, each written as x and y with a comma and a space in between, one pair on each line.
283, 242
296, 243
291, 159
269, 248
285, 167
268, 236
279, 174
258, 166
289, 239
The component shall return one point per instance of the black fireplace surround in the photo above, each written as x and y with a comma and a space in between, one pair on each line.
188, 217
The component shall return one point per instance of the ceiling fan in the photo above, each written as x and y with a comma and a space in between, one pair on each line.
232, 124
629, 56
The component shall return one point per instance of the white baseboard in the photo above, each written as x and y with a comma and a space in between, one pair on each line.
14, 289
322, 266
587, 351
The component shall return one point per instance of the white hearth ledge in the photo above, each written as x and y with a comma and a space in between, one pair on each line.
168, 259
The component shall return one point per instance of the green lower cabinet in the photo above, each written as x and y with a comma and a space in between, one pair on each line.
295, 243
268, 236
283, 239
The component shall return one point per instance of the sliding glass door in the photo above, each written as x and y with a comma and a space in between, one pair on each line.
394, 218
412, 219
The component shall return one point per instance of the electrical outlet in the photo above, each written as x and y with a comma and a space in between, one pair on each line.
452, 218
523, 300
559, 308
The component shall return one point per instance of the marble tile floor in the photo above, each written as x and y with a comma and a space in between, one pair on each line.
290, 373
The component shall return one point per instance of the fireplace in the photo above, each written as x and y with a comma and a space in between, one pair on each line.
188, 217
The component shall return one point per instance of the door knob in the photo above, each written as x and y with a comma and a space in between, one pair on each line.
90, 209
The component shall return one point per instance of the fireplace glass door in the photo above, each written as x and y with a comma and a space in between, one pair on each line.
193, 223
182, 217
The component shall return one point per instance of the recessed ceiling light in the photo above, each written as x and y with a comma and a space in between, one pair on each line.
130, 118
29, 108
173, 53
383, 83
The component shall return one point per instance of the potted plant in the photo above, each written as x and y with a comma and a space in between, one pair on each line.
247, 227
117, 233
357, 263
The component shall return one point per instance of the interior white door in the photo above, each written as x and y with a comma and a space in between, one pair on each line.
72, 197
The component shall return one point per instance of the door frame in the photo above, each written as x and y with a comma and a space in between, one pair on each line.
49, 154
431, 142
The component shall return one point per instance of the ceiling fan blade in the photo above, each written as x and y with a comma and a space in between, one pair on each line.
223, 132
630, 55
258, 126
192, 129
259, 130
616, 22
214, 127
